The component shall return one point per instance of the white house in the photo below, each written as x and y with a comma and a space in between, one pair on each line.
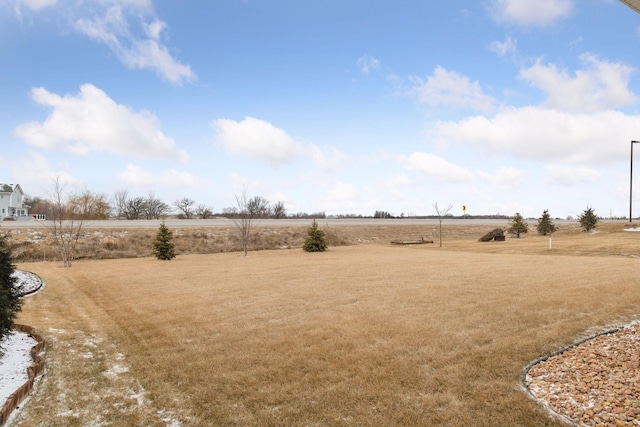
11, 206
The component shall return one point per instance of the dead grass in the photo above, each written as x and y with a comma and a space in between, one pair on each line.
112, 243
365, 335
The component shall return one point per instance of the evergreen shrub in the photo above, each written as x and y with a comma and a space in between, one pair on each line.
163, 246
10, 302
315, 241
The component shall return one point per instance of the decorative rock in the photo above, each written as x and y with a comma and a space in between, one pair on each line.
596, 383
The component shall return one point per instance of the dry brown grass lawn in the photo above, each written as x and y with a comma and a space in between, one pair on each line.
366, 335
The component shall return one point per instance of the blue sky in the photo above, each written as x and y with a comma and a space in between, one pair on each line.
339, 106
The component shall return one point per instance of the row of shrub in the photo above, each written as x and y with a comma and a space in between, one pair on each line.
588, 221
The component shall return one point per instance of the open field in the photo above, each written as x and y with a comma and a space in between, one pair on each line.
132, 239
361, 335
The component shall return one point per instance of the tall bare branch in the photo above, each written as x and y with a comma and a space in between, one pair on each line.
65, 225
442, 212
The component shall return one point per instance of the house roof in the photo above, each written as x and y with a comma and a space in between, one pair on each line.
10, 188
6, 188
633, 4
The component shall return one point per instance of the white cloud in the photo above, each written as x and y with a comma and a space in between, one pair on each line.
568, 175
91, 121
342, 193
536, 133
36, 5
154, 55
154, 29
343, 196
141, 5
138, 177
403, 181
441, 170
242, 183
33, 5
35, 173
508, 47
124, 27
448, 88
530, 13
329, 160
256, 139
106, 29
137, 52
602, 85
506, 178
367, 63
259, 139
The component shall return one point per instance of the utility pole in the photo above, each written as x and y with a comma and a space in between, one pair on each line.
631, 183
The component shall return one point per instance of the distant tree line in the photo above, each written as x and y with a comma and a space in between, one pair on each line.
86, 204
382, 214
89, 205
256, 207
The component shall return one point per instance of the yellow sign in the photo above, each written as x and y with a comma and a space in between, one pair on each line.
464, 207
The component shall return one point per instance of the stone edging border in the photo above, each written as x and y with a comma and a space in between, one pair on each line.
531, 364
34, 371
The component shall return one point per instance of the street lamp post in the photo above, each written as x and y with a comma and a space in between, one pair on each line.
631, 182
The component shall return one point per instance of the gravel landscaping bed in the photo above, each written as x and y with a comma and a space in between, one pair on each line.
596, 383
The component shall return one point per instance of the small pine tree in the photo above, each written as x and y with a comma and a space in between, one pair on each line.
163, 247
518, 225
315, 241
588, 219
10, 302
545, 224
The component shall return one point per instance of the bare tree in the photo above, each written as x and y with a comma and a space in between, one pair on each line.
185, 205
38, 205
120, 200
230, 211
244, 220
278, 210
134, 208
66, 222
204, 212
257, 207
90, 205
441, 213
155, 208
149, 207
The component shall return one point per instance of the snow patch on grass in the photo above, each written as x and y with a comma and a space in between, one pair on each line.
13, 365
116, 370
27, 282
